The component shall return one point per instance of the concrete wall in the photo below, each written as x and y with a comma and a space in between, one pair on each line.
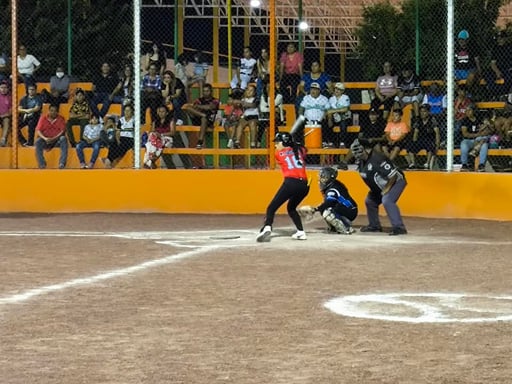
429, 194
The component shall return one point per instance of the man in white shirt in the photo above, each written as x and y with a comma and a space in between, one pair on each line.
313, 107
339, 112
27, 66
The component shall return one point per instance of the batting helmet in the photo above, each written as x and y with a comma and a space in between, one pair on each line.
285, 138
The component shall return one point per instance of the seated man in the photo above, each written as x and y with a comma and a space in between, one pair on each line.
103, 88
59, 88
203, 112
50, 133
396, 133
79, 114
426, 136
476, 131
313, 109
339, 113
29, 114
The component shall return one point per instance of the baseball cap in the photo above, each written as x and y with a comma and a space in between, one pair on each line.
463, 35
374, 111
339, 86
315, 85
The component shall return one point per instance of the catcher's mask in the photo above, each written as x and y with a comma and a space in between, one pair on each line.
357, 149
326, 177
285, 138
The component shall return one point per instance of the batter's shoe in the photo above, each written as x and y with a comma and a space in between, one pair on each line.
264, 235
299, 235
369, 228
395, 231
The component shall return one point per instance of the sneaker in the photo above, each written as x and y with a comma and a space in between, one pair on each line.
179, 122
231, 144
264, 235
199, 144
481, 168
342, 145
395, 231
464, 168
299, 235
62, 166
83, 166
90, 166
106, 162
349, 230
369, 228
236, 145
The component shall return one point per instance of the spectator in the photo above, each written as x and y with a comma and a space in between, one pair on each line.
263, 71
50, 133
90, 138
314, 76
290, 73
467, 61
174, 94
461, 103
180, 69
156, 56
264, 109
200, 72
386, 89
79, 114
313, 107
371, 132
102, 88
27, 67
438, 101
152, 92
396, 135
476, 131
233, 112
249, 118
339, 113
426, 136
124, 139
29, 113
59, 88
245, 70
160, 137
5, 111
123, 92
409, 90
501, 67
203, 112
4, 67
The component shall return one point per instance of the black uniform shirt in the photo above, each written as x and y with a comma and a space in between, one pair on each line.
377, 170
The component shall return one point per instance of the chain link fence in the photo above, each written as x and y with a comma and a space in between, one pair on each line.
201, 73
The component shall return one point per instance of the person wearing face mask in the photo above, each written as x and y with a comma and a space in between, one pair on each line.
59, 88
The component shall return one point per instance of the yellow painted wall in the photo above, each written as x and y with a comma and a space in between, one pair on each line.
429, 194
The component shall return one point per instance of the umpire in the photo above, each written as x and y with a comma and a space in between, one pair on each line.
386, 183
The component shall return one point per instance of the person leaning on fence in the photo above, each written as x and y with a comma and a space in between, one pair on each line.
425, 136
91, 138
385, 90
386, 183
161, 136
50, 133
203, 112
339, 113
125, 139
79, 114
396, 132
29, 112
5, 111
476, 131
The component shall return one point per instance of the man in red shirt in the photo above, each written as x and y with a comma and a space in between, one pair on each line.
50, 133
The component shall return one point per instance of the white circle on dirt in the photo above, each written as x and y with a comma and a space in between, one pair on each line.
424, 307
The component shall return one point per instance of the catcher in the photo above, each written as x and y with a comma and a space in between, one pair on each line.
338, 208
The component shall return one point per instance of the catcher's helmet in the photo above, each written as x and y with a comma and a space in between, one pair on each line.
326, 177
285, 138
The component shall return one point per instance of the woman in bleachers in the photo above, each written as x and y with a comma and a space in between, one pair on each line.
124, 140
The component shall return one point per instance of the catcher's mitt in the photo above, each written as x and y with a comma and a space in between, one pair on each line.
306, 212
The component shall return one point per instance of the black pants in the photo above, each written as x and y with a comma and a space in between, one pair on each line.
294, 191
117, 151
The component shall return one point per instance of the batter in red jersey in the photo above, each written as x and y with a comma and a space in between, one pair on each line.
290, 156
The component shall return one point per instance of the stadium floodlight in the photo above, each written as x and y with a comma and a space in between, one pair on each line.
255, 3
303, 25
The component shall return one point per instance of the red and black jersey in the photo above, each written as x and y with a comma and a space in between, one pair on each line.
290, 165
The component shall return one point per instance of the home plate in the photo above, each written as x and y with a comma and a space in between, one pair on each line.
224, 237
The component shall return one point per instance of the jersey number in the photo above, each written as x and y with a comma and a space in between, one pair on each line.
292, 162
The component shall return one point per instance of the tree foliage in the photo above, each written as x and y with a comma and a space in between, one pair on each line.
102, 30
388, 33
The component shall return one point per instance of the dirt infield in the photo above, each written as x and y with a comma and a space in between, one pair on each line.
125, 298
